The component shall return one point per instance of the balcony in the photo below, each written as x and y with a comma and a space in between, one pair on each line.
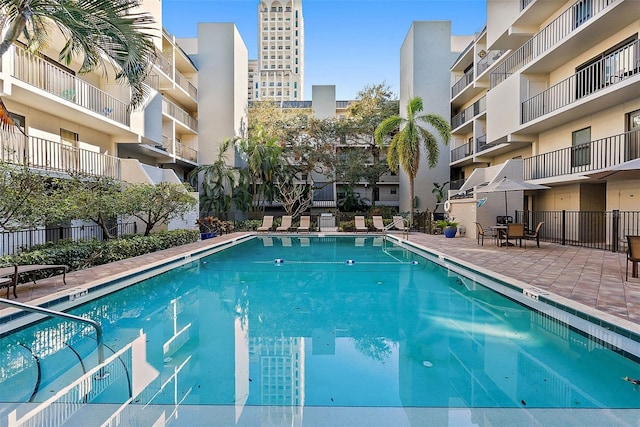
583, 158
461, 152
45, 75
570, 21
488, 60
187, 153
606, 73
42, 154
172, 110
462, 83
468, 113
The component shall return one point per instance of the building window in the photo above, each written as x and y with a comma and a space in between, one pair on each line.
581, 149
393, 191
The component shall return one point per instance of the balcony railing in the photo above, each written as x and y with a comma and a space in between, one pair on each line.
468, 113
462, 151
592, 156
524, 4
44, 75
53, 156
490, 58
186, 152
571, 19
178, 113
481, 143
612, 69
186, 85
462, 83
163, 64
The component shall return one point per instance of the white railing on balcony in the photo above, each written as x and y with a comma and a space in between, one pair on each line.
186, 85
163, 64
465, 150
614, 68
570, 20
39, 153
462, 83
468, 113
186, 152
44, 75
489, 59
179, 114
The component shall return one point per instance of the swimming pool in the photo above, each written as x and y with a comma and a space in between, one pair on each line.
310, 322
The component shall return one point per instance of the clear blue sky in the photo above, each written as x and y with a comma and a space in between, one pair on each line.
348, 43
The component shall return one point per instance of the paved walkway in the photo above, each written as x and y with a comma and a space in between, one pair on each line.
592, 277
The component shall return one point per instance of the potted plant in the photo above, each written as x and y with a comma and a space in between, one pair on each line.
211, 226
449, 227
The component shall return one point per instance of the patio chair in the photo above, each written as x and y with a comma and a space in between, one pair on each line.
32, 270
633, 256
267, 223
305, 222
535, 235
481, 232
360, 225
515, 231
286, 223
378, 224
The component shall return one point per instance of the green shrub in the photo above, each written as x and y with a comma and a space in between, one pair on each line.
89, 253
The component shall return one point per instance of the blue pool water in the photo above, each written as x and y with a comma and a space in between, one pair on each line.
335, 321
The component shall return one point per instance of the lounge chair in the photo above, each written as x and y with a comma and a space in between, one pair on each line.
305, 222
32, 269
360, 225
267, 223
286, 223
535, 235
481, 232
633, 256
378, 224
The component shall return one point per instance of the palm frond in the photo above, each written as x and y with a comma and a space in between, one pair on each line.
387, 126
431, 147
440, 124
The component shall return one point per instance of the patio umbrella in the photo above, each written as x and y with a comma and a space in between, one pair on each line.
626, 170
506, 184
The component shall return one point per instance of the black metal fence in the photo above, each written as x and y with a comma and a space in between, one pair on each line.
598, 230
12, 242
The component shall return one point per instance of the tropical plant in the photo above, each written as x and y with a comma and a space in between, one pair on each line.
438, 191
102, 33
217, 183
447, 223
404, 148
211, 224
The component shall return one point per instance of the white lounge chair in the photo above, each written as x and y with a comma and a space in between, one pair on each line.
286, 223
305, 223
267, 223
360, 225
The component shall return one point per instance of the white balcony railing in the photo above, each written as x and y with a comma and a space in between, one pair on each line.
39, 153
569, 21
44, 75
179, 114
186, 152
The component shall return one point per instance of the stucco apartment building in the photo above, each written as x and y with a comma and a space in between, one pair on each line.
549, 93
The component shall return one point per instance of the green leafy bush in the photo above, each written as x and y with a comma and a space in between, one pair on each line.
89, 253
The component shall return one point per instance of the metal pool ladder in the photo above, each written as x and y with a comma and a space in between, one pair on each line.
53, 313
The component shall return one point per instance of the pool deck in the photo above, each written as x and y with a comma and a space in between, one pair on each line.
593, 277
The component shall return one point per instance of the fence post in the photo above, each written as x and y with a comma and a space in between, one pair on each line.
135, 227
615, 231
564, 227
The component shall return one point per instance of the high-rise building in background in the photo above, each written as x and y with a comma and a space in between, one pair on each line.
278, 72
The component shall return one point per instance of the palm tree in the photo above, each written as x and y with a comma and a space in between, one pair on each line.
404, 148
104, 33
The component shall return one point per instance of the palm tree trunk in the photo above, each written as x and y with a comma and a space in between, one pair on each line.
411, 191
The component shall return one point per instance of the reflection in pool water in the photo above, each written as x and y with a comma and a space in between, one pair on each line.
289, 322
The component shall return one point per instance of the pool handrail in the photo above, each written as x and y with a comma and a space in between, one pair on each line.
53, 313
